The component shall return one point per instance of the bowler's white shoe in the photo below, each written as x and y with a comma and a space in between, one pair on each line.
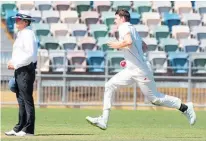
97, 121
190, 113
22, 133
10, 133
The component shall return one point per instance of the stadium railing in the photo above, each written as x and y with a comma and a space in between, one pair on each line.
87, 89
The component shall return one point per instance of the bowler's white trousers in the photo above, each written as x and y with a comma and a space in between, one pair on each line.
146, 83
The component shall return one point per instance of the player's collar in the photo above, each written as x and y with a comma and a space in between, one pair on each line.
123, 24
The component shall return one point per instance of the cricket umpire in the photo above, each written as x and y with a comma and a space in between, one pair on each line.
23, 58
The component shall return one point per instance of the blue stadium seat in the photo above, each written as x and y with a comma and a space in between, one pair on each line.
179, 61
134, 18
171, 19
193, 4
9, 21
95, 60
7, 5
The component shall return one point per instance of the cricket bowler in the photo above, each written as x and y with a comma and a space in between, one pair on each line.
136, 71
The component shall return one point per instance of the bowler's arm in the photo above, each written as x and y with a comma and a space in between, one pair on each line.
126, 42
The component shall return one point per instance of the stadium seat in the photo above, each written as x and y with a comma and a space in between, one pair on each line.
162, 7
180, 32
102, 43
191, 19
199, 32
7, 5
98, 30
189, 45
200, 7
9, 21
121, 5
114, 58
108, 18
81, 6
90, 17
158, 60
59, 29
87, 43
102, 6
203, 45
36, 15
113, 31
151, 19
143, 30
43, 60
161, 32
70, 17
58, 60
134, 18
193, 4
68, 43
25, 5
171, 20
78, 30
61, 5
179, 62
43, 5
50, 16
169, 45
95, 61
142, 6
41, 29
182, 7
49, 43
77, 61
199, 63
151, 44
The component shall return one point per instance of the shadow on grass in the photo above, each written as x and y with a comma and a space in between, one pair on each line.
64, 134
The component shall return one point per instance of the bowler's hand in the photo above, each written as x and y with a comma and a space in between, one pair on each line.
10, 66
113, 44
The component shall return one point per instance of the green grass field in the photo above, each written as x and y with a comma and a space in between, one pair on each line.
70, 125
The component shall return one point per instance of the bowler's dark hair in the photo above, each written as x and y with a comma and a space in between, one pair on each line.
123, 13
28, 22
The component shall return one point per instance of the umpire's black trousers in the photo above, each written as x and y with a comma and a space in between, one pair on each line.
24, 78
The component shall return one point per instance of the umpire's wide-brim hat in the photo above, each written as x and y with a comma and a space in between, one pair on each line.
24, 15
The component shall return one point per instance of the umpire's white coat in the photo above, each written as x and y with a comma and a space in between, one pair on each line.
136, 71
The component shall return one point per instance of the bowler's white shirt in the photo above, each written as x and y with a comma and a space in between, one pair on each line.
133, 55
24, 48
